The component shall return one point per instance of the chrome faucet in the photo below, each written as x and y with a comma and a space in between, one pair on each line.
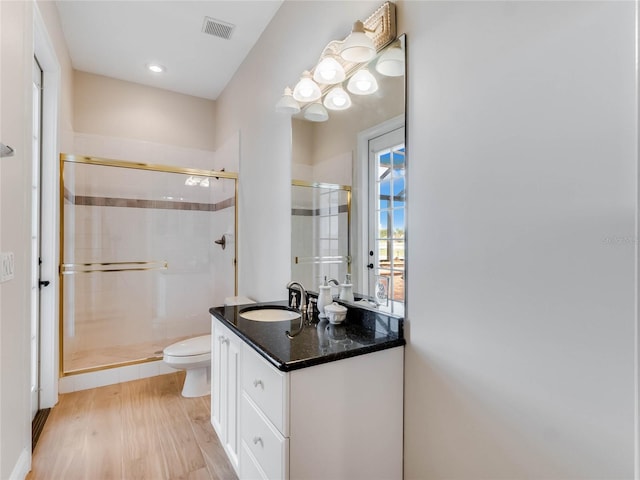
303, 295
302, 308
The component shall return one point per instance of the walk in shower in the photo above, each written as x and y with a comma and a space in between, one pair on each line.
146, 250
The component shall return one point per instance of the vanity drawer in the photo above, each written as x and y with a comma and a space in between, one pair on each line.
267, 446
267, 387
249, 468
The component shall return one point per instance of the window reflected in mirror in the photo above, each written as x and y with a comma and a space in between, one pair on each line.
386, 238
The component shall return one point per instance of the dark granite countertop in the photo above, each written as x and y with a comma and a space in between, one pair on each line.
363, 331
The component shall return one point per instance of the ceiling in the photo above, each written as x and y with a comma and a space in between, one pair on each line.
119, 39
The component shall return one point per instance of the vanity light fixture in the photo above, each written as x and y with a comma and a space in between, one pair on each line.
362, 83
391, 62
316, 113
358, 47
329, 71
306, 90
156, 68
337, 99
287, 104
341, 60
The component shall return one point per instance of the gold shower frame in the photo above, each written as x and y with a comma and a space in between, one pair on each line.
67, 268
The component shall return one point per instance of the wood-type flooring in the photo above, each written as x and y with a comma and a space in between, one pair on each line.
142, 429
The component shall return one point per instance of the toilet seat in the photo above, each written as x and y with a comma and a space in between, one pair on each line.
188, 359
190, 347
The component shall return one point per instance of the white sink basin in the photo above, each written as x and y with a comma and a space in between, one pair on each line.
269, 315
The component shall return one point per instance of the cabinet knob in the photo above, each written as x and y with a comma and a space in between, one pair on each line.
258, 440
258, 383
223, 339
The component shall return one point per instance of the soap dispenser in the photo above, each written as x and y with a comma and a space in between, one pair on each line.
324, 298
346, 289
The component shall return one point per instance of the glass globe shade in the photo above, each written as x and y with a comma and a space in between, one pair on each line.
329, 71
337, 99
306, 90
358, 47
287, 104
316, 113
362, 83
391, 62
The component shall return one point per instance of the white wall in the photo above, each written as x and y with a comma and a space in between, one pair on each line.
15, 200
522, 142
521, 222
115, 108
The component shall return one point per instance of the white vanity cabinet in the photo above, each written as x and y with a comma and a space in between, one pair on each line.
337, 420
226, 349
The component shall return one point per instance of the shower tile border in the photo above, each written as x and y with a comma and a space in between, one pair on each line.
85, 200
317, 212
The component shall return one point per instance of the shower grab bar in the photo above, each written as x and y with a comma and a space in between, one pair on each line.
324, 260
72, 268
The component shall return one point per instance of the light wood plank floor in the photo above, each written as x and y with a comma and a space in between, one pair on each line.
143, 429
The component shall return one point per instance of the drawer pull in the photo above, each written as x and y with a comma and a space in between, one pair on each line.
258, 440
257, 383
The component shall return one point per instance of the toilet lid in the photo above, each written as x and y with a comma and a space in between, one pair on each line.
190, 346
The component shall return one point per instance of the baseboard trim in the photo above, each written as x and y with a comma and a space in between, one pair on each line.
22, 467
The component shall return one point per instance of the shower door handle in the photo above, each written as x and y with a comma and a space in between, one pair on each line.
222, 242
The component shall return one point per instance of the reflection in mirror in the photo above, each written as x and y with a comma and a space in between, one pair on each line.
320, 218
346, 150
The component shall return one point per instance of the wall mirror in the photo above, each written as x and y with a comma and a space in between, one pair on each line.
348, 191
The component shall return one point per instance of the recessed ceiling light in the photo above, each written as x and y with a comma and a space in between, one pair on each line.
156, 67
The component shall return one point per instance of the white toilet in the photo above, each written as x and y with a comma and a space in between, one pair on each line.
194, 356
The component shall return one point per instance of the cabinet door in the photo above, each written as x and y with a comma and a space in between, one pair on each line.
232, 440
218, 380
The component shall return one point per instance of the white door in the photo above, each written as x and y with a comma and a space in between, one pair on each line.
35, 237
387, 202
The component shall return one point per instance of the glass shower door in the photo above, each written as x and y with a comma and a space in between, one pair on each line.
140, 265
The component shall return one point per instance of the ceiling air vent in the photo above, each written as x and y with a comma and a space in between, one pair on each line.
217, 28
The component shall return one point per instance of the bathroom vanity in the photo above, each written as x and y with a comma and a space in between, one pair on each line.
327, 403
